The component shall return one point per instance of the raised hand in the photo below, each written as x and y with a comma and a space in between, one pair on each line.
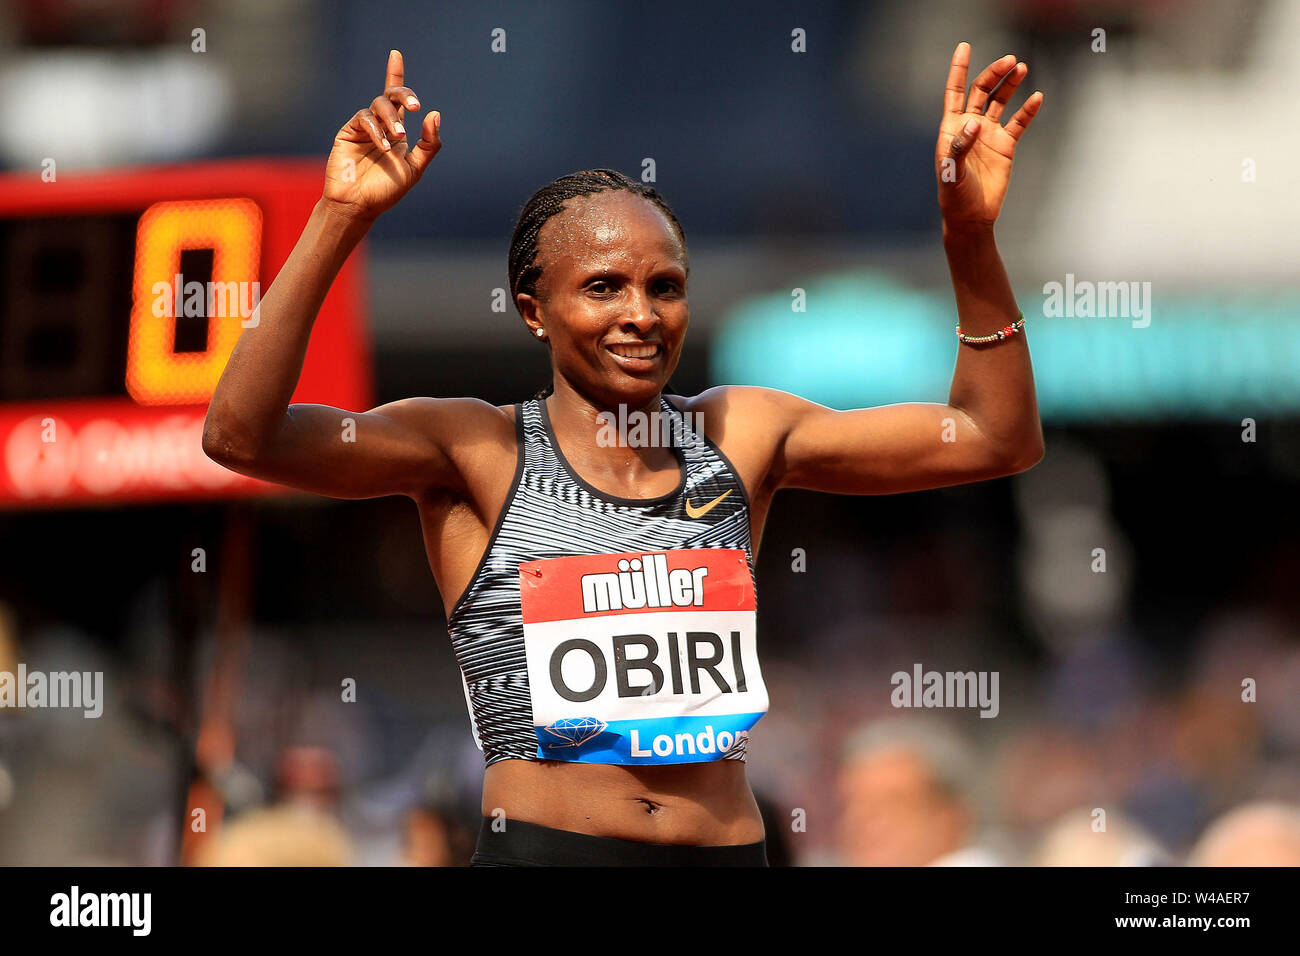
974, 152
372, 164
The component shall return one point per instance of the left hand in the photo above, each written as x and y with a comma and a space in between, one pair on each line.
974, 152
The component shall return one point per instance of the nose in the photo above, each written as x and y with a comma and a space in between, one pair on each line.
639, 313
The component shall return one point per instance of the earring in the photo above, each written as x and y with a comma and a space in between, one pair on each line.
540, 333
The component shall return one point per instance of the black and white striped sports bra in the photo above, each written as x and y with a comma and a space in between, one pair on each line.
612, 630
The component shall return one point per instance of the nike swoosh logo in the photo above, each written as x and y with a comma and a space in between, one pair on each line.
693, 512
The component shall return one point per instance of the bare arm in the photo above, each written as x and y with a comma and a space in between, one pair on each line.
990, 425
400, 448
988, 428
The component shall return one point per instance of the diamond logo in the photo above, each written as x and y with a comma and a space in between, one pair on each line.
574, 731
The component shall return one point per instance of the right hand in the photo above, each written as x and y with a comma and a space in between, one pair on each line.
362, 176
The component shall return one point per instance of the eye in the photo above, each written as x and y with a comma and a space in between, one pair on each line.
600, 286
668, 287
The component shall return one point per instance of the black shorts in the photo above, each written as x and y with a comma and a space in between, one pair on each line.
528, 844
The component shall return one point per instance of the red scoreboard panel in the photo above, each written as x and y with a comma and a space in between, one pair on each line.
121, 297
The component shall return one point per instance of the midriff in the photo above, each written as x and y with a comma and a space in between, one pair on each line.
699, 804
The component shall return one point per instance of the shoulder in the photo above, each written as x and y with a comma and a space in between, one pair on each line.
748, 424
476, 440
452, 421
750, 408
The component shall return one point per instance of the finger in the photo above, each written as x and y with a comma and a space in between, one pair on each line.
964, 140
954, 94
1025, 115
387, 113
984, 83
1002, 94
366, 126
429, 144
404, 97
361, 128
396, 74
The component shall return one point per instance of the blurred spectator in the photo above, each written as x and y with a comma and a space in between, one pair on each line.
279, 836
435, 835
776, 827
8, 640
1043, 772
907, 798
1072, 841
308, 776
1257, 834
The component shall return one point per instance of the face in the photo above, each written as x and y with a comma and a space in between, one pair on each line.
611, 298
892, 813
427, 841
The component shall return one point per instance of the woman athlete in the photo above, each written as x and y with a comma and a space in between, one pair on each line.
600, 592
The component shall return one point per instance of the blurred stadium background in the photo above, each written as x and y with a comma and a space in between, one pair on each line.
1165, 159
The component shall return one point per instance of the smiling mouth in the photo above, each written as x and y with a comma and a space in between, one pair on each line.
635, 350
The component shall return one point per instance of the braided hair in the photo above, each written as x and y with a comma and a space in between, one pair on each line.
550, 200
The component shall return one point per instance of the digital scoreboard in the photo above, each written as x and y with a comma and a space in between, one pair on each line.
122, 296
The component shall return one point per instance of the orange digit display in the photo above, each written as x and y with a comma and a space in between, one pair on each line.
156, 374
104, 351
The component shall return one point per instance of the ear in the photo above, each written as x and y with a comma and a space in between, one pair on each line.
530, 307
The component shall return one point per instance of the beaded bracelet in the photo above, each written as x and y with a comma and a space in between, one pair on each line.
997, 336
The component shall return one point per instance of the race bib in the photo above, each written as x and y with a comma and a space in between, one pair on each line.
642, 658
